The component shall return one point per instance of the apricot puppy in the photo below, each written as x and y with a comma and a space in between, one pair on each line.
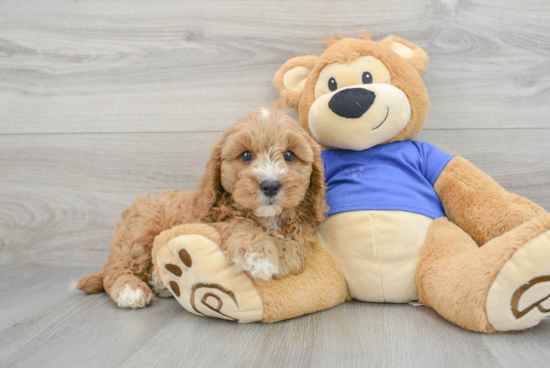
263, 191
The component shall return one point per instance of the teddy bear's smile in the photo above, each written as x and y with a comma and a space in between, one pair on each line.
383, 121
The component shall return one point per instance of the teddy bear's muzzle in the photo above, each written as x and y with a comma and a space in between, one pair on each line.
360, 116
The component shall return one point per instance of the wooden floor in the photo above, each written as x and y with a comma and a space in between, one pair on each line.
104, 100
43, 324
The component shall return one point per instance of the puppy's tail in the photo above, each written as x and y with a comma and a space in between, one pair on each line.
91, 284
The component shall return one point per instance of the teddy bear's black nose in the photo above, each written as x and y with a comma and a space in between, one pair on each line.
351, 103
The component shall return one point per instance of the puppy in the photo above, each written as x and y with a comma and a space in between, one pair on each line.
264, 192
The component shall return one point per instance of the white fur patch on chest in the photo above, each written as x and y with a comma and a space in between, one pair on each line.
273, 223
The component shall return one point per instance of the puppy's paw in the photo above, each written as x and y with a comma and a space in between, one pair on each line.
158, 287
134, 297
128, 291
256, 265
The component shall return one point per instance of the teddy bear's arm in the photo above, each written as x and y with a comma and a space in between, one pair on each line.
478, 204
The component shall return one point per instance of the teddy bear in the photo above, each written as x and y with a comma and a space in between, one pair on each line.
407, 222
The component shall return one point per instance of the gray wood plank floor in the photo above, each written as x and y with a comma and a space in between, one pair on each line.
43, 324
105, 100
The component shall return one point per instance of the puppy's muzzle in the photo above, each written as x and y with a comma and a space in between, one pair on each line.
270, 187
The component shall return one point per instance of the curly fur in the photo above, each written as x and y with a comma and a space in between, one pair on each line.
227, 197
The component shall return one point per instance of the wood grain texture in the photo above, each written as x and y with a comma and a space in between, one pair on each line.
136, 66
105, 100
49, 326
61, 195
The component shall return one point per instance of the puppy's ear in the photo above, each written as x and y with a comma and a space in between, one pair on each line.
412, 53
291, 78
317, 187
210, 188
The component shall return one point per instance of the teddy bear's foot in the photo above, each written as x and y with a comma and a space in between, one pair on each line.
520, 295
204, 282
504, 285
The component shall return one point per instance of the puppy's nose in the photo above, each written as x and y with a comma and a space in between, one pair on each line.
351, 103
270, 187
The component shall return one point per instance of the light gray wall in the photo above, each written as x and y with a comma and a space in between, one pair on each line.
101, 101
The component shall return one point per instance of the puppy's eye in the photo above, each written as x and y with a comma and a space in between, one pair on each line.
246, 156
332, 85
289, 156
367, 78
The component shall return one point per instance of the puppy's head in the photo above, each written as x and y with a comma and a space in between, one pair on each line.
267, 164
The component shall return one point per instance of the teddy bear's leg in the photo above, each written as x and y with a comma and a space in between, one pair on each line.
320, 286
188, 260
478, 204
502, 286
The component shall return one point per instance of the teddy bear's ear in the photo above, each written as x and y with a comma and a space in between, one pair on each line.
414, 54
291, 78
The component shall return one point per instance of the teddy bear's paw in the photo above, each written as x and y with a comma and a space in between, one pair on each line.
520, 295
205, 283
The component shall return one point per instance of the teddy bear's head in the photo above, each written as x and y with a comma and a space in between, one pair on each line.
358, 93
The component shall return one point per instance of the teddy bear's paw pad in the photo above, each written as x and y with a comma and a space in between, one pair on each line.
533, 294
205, 283
520, 295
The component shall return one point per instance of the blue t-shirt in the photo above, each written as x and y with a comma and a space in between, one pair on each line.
395, 176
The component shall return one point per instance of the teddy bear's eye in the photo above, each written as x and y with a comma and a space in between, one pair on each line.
332, 85
367, 78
